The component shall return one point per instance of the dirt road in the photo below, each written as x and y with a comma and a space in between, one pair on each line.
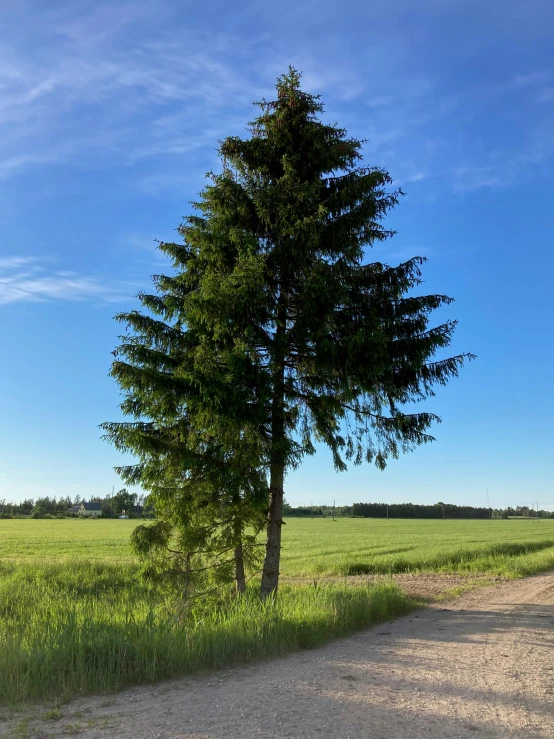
480, 666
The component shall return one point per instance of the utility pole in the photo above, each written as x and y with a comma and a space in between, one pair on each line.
387, 511
333, 509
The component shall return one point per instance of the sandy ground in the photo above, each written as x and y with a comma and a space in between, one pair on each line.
423, 587
478, 666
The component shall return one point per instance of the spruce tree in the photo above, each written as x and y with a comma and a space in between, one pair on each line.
204, 484
275, 333
200, 465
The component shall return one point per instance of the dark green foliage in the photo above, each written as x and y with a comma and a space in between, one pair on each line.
317, 510
122, 502
275, 334
197, 442
415, 510
45, 504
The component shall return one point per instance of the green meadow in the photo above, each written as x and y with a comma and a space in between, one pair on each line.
76, 617
313, 547
360, 546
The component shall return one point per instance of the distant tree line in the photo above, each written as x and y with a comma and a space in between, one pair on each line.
134, 505
441, 510
123, 501
412, 510
522, 511
317, 510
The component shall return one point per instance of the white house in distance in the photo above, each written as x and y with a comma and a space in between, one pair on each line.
90, 510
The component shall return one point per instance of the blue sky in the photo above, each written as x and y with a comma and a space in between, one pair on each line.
110, 115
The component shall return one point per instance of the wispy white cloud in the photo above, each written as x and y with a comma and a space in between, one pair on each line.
8, 263
546, 94
467, 178
530, 79
540, 81
144, 248
132, 86
98, 86
500, 168
140, 242
27, 279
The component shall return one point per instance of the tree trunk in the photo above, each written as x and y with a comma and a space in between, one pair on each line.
270, 574
240, 577
185, 596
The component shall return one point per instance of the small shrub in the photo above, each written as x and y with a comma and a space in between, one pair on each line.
54, 714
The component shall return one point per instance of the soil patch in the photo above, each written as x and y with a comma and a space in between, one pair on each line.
427, 588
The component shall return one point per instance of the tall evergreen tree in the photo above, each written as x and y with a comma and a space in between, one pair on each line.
275, 333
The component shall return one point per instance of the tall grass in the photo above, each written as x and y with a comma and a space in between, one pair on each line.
81, 628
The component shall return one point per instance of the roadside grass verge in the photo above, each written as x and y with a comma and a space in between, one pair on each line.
60, 639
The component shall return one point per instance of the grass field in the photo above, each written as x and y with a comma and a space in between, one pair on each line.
75, 616
316, 547
376, 546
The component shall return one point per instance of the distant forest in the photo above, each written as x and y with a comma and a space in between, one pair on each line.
413, 510
134, 505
